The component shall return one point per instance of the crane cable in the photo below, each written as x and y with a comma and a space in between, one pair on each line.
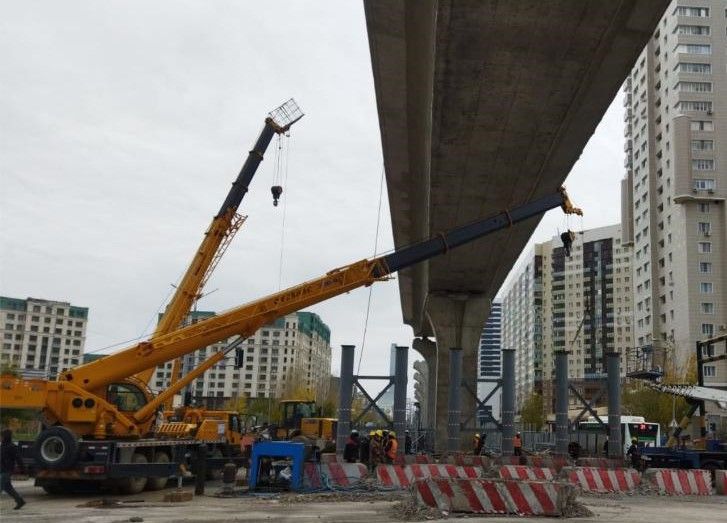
285, 208
371, 288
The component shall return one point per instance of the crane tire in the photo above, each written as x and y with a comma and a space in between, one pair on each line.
56, 448
134, 484
158, 483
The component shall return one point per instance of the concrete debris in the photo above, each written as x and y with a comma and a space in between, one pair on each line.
110, 503
410, 510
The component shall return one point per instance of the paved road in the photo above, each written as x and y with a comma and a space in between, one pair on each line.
42, 508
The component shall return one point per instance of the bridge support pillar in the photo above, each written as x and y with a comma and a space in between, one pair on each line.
428, 349
457, 321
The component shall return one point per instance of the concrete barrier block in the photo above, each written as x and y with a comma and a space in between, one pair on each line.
591, 479
402, 476
680, 482
525, 472
492, 496
601, 463
326, 475
721, 482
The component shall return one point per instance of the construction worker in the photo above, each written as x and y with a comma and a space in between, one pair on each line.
479, 443
363, 448
407, 442
9, 458
517, 445
350, 452
635, 453
375, 449
605, 447
392, 446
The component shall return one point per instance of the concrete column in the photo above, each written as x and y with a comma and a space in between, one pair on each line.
456, 321
508, 400
345, 397
454, 404
615, 445
428, 349
400, 379
561, 403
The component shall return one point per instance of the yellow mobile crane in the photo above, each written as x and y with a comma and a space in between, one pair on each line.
89, 432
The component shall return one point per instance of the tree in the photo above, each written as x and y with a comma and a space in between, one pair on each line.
638, 399
531, 413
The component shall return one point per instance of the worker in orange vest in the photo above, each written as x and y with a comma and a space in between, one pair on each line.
392, 445
517, 445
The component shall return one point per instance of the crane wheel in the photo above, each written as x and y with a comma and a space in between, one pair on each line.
56, 448
135, 484
158, 483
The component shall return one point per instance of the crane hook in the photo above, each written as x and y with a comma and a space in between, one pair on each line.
277, 190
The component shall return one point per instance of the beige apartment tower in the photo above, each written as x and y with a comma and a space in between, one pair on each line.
673, 195
580, 303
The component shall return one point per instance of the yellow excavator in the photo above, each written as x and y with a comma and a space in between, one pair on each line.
100, 416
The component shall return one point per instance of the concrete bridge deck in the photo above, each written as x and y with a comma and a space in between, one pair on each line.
485, 105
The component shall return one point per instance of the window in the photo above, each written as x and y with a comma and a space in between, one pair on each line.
704, 184
706, 287
705, 267
703, 165
704, 227
693, 48
709, 371
686, 67
704, 208
692, 30
707, 329
694, 106
707, 307
702, 125
702, 145
694, 87
705, 247
697, 12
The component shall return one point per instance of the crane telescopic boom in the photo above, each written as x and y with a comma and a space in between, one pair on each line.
246, 319
220, 232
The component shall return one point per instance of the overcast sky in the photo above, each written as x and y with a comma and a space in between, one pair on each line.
124, 123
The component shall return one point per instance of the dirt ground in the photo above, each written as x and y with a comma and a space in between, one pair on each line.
374, 508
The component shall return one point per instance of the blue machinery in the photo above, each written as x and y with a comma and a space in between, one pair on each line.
282, 449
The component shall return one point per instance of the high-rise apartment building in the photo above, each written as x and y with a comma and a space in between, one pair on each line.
41, 337
291, 354
580, 303
673, 195
490, 364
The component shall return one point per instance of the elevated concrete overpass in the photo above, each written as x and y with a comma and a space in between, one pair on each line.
484, 105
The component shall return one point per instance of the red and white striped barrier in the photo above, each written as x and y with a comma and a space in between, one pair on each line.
601, 463
330, 457
548, 462
488, 496
680, 482
591, 479
720, 480
410, 459
402, 476
333, 474
468, 460
525, 472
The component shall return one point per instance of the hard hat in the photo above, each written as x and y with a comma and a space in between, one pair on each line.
380, 432
372, 433
634, 440
354, 431
477, 435
392, 434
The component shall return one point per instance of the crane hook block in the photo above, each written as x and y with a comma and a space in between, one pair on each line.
277, 190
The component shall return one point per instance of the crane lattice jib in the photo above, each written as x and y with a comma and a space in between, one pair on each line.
694, 392
246, 319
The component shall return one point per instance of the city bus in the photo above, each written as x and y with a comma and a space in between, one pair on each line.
647, 434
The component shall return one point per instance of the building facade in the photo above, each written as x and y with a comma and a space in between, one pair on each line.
490, 365
41, 337
289, 356
673, 194
580, 303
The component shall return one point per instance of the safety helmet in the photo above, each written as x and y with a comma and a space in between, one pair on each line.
372, 433
392, 434
380, 433
477, 435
